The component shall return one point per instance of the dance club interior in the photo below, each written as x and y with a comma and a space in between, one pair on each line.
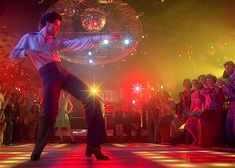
164, 81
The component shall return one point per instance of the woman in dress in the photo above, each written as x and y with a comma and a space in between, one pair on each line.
197, 106
62, 120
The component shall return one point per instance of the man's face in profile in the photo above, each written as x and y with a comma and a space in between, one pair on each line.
229, 69
53, 28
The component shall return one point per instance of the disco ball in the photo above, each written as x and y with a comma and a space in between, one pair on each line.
93, 19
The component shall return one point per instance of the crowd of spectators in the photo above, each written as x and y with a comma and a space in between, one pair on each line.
205, 112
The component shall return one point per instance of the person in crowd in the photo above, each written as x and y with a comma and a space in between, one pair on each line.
119, 121
128, 119
202, 80
229, 67
33, 119
167, 114
182, 111
136, 122
2, 125
211, 124
62, 119
2, 115
153, 118
15, 116
11, 112
132, 122
197, 107
2, 97
22, 124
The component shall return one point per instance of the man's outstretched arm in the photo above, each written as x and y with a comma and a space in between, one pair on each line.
83, 43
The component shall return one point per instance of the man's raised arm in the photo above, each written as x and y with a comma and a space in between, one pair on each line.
83, 43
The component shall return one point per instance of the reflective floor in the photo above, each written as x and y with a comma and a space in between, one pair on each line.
122, 155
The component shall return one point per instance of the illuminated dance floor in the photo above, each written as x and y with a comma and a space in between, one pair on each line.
122, 155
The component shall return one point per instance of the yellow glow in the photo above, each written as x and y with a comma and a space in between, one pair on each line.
181, 165
2, 166
24, 145
182, 127
18, 153
165, 160
218, 153
60, 146
174, 162
229, 155
222, 164
141, 152
149, 155
157, 157
10, 161
169, 160
120, 145
94, 90
160, 145
163, 152
20, 158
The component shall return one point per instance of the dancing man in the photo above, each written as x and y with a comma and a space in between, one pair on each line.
42, 48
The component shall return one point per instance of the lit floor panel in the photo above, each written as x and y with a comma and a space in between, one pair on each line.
122, 155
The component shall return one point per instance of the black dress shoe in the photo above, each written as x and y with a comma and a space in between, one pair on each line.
96, 151
101, 157
35, 157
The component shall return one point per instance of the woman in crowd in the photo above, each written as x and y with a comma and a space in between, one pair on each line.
118, 121
211, 122
167, 108
197, 107
33, 121
62, 120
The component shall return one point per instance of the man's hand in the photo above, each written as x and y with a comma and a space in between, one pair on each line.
33, 53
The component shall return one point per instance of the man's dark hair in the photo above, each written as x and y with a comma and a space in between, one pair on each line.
212, 77
231, 63
50, 17
187, 80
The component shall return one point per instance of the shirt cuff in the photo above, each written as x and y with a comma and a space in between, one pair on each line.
22, 54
